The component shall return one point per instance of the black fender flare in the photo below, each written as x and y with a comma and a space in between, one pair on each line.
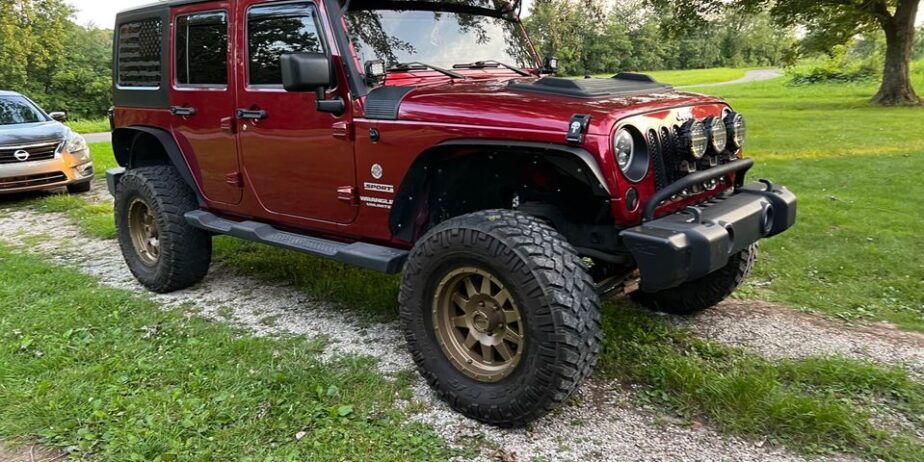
124, 140
408, 197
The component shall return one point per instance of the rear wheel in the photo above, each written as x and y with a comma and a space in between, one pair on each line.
500, 315
163, 252
695, 296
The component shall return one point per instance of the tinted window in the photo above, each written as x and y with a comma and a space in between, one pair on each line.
275, 30
202, 49
18, 110
139, 53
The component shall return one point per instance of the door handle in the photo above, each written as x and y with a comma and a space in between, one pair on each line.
251, 114
183, 111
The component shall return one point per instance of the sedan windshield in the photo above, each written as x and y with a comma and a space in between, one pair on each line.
18, 110
437, 38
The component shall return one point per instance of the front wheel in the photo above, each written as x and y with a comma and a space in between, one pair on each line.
695, 296
500, 315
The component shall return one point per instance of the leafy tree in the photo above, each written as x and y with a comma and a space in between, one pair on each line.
59, 64
832, 22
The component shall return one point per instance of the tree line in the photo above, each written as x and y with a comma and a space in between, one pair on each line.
598, 37
47, 56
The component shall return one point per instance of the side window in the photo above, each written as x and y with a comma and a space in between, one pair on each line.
139, 53
202, 49
275, 30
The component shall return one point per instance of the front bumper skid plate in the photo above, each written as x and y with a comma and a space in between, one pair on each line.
699, 240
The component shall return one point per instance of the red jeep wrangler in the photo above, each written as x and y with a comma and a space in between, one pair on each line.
427, 137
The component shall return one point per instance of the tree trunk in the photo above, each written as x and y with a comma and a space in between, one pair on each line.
896, 89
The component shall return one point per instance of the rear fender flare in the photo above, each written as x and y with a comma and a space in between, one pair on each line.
125, 140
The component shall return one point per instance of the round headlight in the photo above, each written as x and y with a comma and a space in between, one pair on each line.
737, 130
624, 148
695, 139
718, 135
631, 154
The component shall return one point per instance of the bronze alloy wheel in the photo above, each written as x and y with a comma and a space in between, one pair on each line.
144, 233
478, 324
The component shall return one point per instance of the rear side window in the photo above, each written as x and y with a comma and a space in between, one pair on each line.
275, 30
139, 53
202, 49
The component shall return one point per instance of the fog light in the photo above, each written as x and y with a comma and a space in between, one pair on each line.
632, 200
85, 170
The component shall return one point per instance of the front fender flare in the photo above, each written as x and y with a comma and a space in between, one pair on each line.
408, 197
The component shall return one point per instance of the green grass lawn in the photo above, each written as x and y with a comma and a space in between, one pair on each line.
89, 125
856, 251
694, 76
107, 375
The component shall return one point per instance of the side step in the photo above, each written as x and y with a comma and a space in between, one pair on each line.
374, 257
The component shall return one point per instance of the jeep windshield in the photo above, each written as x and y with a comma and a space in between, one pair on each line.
18, 110
443, 39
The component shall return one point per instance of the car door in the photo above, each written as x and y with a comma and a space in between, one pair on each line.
202, 97
293, 158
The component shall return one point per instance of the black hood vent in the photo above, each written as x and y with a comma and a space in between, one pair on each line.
624, 84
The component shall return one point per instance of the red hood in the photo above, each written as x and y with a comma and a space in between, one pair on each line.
493, 103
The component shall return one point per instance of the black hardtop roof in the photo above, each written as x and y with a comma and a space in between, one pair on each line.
514, 4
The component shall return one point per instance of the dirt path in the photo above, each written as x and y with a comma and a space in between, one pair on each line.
749, 76
602, 423
29, 454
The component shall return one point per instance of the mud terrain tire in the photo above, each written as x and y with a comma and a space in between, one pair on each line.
552, 290
183, 253
696, 296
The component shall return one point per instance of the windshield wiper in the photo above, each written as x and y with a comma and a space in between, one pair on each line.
419, 65
491, 63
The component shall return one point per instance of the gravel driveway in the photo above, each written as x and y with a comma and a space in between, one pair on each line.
601, 424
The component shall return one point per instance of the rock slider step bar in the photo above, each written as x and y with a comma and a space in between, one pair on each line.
369, 256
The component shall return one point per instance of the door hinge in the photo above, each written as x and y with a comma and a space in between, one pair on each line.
235, 179
347, 194
343, 130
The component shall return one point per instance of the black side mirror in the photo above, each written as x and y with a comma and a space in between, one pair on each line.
550, 66
311, 72
59, 116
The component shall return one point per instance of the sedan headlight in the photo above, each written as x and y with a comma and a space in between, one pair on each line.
718, 134
737, 130
77, 147
632, 161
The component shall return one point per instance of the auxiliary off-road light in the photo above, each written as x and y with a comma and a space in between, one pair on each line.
718, 133
694, 139
737, 130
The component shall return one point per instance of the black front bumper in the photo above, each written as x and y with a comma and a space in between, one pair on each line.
699, 240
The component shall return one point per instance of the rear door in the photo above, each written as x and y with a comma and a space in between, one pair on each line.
202, 97
294, 159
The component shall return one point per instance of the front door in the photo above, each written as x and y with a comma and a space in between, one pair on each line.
202, 97
291, 157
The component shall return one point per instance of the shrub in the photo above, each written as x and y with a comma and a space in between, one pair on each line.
839, 67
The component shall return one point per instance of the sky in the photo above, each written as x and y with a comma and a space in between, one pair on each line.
102, 12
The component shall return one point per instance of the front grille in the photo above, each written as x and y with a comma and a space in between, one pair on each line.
15, 182
37, 152
668, 164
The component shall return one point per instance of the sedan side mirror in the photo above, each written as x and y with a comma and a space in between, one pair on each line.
59, 116
303, 72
